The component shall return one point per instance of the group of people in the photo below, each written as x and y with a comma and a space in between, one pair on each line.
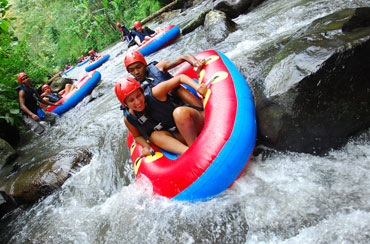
138, 34
156, 108
28, 99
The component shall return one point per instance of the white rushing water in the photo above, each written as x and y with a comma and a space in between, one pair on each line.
280, 198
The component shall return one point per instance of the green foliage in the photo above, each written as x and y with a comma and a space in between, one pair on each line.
47, 34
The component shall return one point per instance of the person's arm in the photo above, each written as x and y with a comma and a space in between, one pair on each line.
165, 65
42, 100
44, 94
22, 105
139, 139
161, 90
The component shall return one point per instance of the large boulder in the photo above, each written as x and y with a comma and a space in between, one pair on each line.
217, 26
26, 183
195, 22
327, 99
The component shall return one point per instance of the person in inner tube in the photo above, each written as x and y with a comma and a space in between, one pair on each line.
94, 56
151, 116
54, 97
155, 72
32, 113
143, 34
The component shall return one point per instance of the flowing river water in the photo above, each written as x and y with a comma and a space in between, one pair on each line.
280, 198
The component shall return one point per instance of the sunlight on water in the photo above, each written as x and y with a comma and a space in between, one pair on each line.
280, 198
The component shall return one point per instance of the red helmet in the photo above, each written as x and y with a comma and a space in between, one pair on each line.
118, 25
91, 52
134, 57
44, 87
125, 87
137, 24
20, 76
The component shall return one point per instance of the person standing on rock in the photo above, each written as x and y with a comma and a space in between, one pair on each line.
125, 33
32, 113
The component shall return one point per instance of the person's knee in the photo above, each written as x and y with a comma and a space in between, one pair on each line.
155, 136
183, 117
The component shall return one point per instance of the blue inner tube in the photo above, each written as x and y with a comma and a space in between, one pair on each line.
84, 62
96, 64
79, 95
161, 41
65, 72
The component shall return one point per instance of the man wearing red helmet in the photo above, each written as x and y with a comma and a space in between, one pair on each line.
156, 72
32, 113
150, 115
141, 35
125, 33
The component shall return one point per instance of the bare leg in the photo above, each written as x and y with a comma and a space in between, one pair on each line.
164, 140
189, 122
69, 88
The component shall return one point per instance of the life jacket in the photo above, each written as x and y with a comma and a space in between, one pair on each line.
158, 115
31, 101
156, 74
141, 35
92, 58
124, 30
54, 97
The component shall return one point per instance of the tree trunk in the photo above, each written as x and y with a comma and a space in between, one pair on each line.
159, 12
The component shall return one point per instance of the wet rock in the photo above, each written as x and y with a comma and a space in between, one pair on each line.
195, 23
233, 8
326, 103
7, 153
360, 18
27, 183
217, 26
168, 15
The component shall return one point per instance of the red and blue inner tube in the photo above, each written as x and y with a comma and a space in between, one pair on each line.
222, 150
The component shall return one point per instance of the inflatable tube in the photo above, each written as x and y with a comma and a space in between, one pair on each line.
222, 150
83, 62
85, 85
65, 72
166, 37
97, 63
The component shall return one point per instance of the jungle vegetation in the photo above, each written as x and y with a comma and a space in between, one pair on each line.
39, 37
